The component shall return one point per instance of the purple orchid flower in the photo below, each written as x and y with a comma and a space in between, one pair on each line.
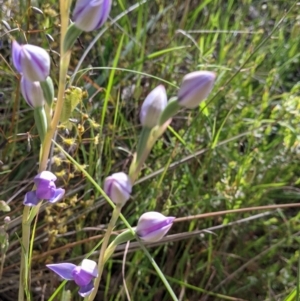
118, 187
45, 190
153, 226
89, 15
32, 61
83, 275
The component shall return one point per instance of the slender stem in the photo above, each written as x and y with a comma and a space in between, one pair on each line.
23, 285
123, 237
137, 163
101, 261
64, 63
158, 271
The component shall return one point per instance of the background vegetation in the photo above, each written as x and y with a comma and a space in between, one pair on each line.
240, 150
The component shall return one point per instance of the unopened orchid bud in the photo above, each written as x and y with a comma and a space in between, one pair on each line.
118, 187
32, 93
153, 226
153, 106
89, 15
195, 87
32, 61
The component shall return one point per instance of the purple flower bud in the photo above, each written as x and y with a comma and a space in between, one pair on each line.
32, 61
89, 15
153, 226
83, 275
118, 187
195, 87
32, 93
45, 190
153, 106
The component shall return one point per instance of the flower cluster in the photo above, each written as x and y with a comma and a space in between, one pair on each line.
195, 88
33, 63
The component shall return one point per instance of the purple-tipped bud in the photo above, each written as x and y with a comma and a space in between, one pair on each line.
32, 61
83, 275
32, 93
45, 190
195, 87
153, 106
153, 226
118, 187
89, 15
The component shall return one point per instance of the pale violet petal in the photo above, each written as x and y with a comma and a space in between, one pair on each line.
90, 267
31, 199
59, 193
45, 175
84, 291
64, 270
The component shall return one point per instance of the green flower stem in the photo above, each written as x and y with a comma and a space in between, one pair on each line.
23, 281
123, 237
101, 262
158, 271
64, 64
137, 163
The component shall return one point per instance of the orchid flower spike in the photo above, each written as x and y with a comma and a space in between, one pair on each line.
45, 190
118, 187
89, 15
83, 275
195, 87
153, 226
32, 61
